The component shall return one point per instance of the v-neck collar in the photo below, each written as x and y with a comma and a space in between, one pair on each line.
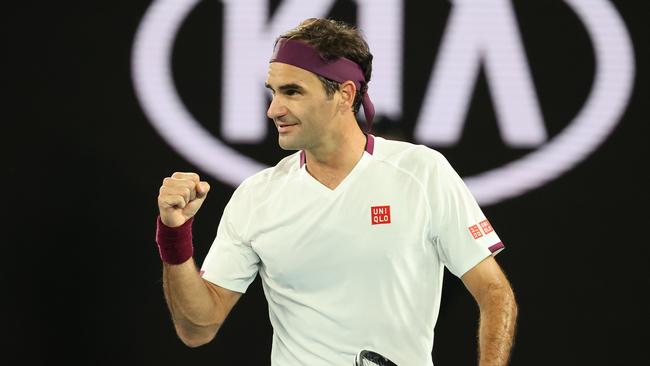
369, 150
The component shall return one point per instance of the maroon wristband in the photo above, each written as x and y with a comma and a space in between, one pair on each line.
174, 243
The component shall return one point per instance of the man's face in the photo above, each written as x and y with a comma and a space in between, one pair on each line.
300, 108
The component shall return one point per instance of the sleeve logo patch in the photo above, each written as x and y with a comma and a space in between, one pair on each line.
475, 231
485, 225
379, 215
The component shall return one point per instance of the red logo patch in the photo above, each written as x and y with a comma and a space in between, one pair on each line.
475, 231
380, 215
485, 225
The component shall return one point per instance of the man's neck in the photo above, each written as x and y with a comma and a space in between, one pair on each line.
333, 161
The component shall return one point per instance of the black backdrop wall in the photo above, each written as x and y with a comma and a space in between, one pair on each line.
80, 270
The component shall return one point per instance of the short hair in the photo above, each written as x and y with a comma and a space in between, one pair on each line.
334, 39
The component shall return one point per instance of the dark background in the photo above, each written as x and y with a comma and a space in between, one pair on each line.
81, 274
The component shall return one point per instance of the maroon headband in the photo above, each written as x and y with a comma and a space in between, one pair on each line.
306, 57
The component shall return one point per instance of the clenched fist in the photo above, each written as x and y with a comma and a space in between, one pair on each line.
180, 197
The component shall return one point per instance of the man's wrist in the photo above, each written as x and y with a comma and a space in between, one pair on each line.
174, 243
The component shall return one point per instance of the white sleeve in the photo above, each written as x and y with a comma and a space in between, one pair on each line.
462, 233
231, 262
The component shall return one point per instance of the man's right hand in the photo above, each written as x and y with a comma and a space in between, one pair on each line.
180, 197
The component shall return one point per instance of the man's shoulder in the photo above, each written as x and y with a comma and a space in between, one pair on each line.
406, 155
266, 177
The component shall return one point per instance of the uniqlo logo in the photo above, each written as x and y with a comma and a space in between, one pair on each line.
485, 225
475, 231
379, 215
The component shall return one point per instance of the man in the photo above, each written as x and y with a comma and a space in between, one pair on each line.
350, 234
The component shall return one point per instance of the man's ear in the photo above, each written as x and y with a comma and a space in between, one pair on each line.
348, 92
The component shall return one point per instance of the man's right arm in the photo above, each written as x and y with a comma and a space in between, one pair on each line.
198, 307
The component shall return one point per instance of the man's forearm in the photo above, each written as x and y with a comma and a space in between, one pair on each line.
192, 306
497, 326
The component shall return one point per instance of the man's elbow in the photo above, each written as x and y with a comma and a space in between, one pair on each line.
196, 338
195, 342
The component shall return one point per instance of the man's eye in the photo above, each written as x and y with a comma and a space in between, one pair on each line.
292, 92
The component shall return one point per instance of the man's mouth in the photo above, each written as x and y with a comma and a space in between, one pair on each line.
285, 127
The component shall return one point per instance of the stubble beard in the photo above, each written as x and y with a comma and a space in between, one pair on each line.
290, 141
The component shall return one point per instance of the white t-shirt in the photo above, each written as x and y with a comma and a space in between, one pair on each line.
357, 267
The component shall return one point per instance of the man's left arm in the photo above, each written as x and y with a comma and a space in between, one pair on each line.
492, 291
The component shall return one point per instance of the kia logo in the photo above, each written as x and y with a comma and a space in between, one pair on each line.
478, 34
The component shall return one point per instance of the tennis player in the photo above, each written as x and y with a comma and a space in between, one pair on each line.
350, 234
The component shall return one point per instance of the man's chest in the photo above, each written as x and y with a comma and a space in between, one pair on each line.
309, 241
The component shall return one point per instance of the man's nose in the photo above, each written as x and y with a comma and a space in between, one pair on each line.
276, 109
